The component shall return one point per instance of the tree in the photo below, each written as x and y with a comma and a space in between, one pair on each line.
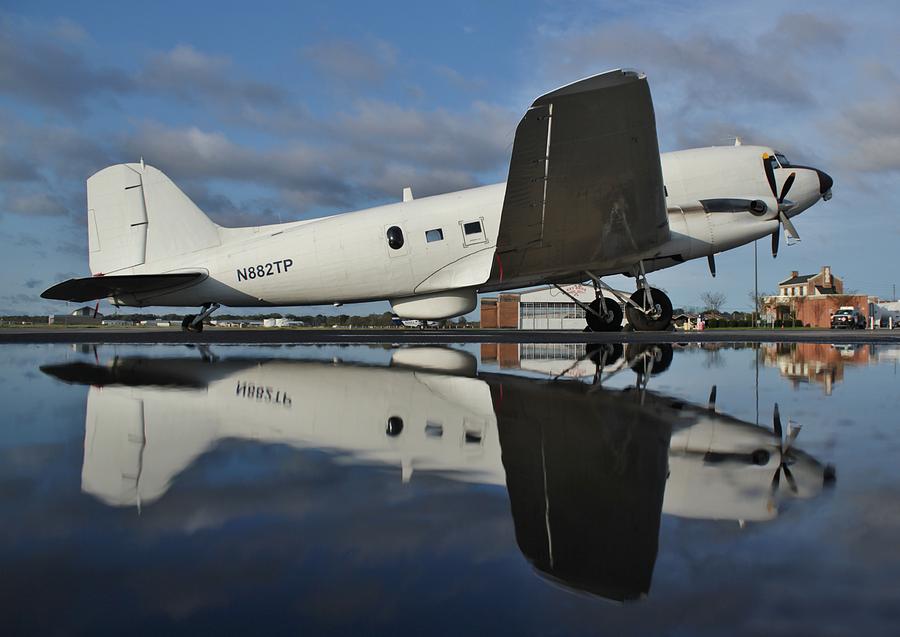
713, 301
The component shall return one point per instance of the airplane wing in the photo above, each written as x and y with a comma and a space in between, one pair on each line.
101, 287
585, 183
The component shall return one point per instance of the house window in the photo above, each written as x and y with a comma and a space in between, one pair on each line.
434, 235
395, 237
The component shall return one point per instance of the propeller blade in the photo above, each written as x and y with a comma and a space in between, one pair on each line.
711, 403
770, 174
776, 424
786, 187
790, 479
793, 430
776, 480
711, 260
775, 241
789, 228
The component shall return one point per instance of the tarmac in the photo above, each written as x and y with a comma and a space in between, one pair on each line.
398, 335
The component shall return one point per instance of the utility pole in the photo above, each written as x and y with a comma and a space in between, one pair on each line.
755, 287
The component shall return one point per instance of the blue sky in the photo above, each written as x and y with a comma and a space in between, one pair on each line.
294, 110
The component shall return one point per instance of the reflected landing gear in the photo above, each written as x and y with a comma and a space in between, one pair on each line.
194, 322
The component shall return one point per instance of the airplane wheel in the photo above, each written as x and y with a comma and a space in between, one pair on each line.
640, 356
658, 319
604, 353
186, 324
612, 322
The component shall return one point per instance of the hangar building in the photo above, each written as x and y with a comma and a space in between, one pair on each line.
539, 309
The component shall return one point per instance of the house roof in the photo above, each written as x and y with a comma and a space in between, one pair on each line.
803, 278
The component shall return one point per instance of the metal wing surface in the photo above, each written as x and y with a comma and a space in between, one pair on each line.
585, 188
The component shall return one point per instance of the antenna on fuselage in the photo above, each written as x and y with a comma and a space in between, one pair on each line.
738, 141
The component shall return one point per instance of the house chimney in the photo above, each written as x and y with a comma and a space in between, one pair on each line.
826, 271
794, 274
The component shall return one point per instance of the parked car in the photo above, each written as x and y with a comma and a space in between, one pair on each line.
848, 317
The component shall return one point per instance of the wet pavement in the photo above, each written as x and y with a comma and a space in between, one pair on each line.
530, 488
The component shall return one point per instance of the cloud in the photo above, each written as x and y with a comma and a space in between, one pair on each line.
708, 68
188, 74
367, 153
32, 203
14, 168
870, 133
352, 61
43, 66
32, 283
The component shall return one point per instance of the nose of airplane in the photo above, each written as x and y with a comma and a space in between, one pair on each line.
825, 182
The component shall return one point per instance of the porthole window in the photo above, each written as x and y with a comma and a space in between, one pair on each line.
395, 237
394, 426
434, 235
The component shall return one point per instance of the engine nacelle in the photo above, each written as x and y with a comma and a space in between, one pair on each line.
439, 305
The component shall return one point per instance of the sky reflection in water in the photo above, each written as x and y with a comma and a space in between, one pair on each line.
526, 488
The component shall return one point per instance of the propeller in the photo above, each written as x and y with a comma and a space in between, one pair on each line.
785, 459
784, 204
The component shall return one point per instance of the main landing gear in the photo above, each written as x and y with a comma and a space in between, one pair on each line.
194, 322
647, 310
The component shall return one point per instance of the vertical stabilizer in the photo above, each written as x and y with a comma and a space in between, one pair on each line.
137, 216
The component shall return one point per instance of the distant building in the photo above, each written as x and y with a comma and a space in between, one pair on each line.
86, 311
81, 316
824, 282
539, 309
811, 299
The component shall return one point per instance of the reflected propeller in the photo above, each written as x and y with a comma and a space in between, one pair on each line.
784, 204
785, 458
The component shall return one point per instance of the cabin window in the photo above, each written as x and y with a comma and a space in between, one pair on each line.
434, 235
473, 232
395, 237
394, 426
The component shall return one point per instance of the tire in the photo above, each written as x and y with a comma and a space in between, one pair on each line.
641, 354
187, 327
613, 322
645, 323
604, 353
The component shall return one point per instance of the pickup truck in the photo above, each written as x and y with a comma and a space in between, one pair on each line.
848, 317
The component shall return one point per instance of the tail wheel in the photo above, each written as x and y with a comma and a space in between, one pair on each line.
609, 320
655, 318
186, 324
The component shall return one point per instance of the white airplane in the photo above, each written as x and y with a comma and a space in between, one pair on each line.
587, 195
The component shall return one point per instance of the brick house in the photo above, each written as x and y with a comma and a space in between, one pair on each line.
811, 284
813, 298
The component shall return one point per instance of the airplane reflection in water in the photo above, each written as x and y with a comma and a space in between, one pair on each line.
588, 469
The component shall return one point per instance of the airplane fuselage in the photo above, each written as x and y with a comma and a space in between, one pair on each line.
443, 259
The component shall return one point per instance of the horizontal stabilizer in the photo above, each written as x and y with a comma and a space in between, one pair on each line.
101, 287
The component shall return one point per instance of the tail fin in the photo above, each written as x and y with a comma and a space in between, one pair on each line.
136, 215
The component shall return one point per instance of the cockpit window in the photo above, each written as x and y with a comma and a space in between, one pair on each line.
782, 160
